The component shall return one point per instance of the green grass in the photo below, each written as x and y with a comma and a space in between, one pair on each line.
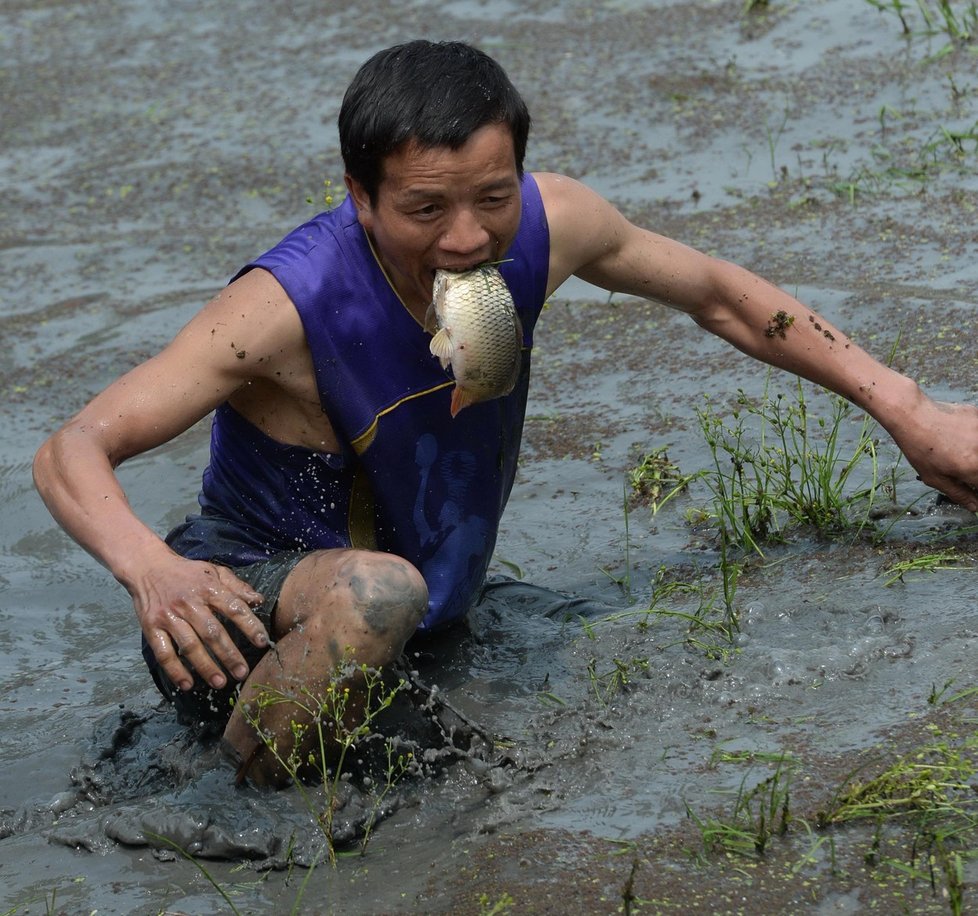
930, 563
918, 814
776, 467
931, 791
760, 813
957, 20
705, 610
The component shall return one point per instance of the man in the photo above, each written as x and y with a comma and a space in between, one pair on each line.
343, 507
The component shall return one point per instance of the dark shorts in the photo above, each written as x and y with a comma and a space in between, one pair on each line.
204, 703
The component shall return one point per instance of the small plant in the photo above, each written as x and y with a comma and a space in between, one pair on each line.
787, 469
488, 907
176, 847
325, 732
609, 684
776, 757
942, 559
773, 137
655, 479
939, 17
326, 197
759, 814
896, 7
933, 781
710, 627
938, 697
624, 582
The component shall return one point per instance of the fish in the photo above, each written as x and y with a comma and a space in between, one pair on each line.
477, 332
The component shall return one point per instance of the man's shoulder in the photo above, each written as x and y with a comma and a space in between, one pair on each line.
562, 196
257, 302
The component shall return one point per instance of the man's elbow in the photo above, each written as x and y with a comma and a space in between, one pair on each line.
44, 464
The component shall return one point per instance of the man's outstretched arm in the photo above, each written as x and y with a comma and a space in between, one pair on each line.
592, 240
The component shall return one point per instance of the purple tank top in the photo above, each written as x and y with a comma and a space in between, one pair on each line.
412, 480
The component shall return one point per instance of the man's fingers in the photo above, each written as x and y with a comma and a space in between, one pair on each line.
164, 648
199, 637
238, 609
240, 588
214, 642
957, 492
188, 629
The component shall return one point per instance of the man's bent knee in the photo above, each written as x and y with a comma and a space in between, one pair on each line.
388, 592
383, 592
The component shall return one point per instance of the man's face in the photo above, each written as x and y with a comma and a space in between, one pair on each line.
442, 208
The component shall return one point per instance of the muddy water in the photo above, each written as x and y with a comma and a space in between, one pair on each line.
148, 150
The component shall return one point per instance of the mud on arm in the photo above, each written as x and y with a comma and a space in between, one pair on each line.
177, 601
591, 239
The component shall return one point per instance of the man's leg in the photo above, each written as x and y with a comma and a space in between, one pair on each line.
335, 606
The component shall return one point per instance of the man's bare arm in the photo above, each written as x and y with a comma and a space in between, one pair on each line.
591, 239
176, 600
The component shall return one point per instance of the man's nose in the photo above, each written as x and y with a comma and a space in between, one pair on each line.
465, 235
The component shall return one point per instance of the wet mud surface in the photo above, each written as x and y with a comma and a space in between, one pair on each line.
147, 151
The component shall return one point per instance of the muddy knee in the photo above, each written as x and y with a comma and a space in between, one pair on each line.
387, 592
367, 601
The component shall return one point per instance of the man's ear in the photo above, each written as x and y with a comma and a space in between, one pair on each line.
360, 197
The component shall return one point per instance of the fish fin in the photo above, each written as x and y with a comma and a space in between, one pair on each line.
441, 346
431, 319
460, 399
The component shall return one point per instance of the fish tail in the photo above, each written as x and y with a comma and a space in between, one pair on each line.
461, 399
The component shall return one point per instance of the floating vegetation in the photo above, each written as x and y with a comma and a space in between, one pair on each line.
931, 562
655, 479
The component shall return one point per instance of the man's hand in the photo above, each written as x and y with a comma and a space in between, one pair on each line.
179, 604
941, 441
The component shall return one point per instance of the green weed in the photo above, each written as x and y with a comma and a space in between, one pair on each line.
618, 679
49, 899
773, 138
957, 21
932, 791
942, 559
655, 479
711, 625
624, 581
488, 907
723, 756
166, 841
775, 466
922, 811
759, 813
933, 781
939, 696
324, 735
326, 197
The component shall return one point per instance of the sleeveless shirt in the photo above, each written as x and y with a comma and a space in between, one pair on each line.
411, 479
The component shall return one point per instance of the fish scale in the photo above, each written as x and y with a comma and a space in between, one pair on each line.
477, 332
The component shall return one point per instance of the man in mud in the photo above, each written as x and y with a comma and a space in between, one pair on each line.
343, 507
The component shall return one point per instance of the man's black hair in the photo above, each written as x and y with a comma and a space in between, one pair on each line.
432, 93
